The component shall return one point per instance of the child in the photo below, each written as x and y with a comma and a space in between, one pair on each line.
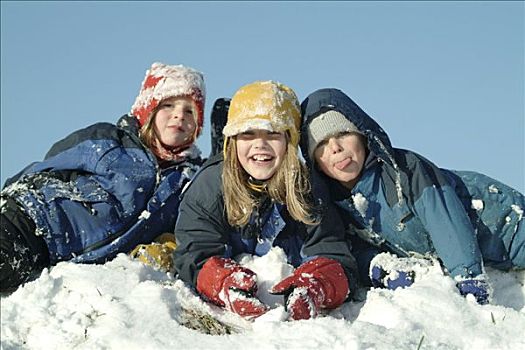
106, 188
398, 200
252, 198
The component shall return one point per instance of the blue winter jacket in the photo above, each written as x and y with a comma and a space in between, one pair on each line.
100, 192
203, 231
405, 203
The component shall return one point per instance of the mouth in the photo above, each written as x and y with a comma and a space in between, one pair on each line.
262, 158
176, 128
341, 165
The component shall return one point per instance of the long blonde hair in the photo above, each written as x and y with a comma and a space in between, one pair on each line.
289, 185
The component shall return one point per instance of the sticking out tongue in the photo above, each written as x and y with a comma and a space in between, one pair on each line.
343, 164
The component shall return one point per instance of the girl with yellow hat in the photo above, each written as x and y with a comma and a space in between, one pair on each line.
254, 197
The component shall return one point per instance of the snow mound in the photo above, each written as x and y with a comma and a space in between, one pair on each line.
124, 304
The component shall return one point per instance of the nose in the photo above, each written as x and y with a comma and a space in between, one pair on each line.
259, 142
333, 145
177, 112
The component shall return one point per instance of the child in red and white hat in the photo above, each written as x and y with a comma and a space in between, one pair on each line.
166, 91
106, 188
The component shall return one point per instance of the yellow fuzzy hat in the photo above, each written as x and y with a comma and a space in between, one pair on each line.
266, 105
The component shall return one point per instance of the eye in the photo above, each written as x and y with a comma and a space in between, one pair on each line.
166, 105
274, 135
189, 111
247, 135
322, 143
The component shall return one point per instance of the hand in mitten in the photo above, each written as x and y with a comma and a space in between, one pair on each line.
227, 284
158, 254
479, 288
389, 271
318, 284
392, 279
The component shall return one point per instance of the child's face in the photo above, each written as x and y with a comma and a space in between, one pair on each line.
341, 157
175, 122
261, 152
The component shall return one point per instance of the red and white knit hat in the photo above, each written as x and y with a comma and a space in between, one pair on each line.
164, 81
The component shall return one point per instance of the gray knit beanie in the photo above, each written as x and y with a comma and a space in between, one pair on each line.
325, 125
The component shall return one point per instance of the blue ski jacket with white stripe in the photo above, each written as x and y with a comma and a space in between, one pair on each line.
100, 192
408, 205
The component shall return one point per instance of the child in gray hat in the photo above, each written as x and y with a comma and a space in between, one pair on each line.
402, 203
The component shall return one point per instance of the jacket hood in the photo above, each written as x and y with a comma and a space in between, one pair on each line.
324, 100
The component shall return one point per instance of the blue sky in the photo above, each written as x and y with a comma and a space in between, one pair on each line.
445, 79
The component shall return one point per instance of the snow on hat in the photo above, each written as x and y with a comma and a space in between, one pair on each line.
266, 105
164, 81
325, 125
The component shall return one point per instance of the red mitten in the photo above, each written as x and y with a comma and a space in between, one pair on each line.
227, 284
318, 284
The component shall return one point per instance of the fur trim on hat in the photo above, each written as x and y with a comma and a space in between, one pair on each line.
264, 105
164, 81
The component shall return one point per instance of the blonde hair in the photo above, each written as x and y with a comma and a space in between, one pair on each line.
147, 132
288, 186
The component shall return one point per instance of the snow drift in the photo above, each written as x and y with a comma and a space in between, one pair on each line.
124, 304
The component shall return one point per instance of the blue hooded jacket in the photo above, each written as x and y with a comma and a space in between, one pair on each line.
406, 204
100, 192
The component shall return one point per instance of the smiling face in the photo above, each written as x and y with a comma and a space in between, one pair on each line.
175, 121
261, 152
342, 157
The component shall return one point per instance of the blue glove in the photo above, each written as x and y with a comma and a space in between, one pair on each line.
478, 288
390, 279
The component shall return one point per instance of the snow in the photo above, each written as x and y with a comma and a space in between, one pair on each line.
518, 211
392, 264
144, 215
276, 108
360, 203
175, 80
493, 189
477, 204
125, 304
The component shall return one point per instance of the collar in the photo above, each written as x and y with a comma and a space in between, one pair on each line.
256, 185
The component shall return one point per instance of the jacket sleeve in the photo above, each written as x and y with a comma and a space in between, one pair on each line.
81, 150
201, 231
101, 157
328, 239
446, 220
